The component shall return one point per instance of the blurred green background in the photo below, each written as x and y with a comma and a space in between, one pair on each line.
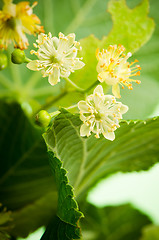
140, 189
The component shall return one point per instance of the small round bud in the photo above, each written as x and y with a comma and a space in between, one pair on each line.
3, 61
43, 118
18, 56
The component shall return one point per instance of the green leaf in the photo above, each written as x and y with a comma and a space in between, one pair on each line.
25, 175
113, 223
131, 27
5, 223
87, 160
150, 232
66, 225
59, 230
34, 215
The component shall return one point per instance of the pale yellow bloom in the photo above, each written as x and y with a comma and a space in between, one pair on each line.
100, 114
57, 56
15, 21
114, 69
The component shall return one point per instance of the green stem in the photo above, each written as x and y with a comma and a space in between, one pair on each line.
51, 102
27, 60
93, 85
53, 114
81, 89
73, 84
73, 106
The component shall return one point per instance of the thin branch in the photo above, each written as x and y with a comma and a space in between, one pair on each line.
51, 102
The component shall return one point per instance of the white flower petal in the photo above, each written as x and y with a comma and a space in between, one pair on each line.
33, 65
109, 98
102, 76
100, 65
64, 73
109, 135
77, 64
116, 90
54, 78
55, 42
66, 42
84, 130
83, 118
40, 38
71, 39
83, 106
98, 90
123, 109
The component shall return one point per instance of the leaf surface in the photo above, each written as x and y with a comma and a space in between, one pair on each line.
150, 232
66, 224
87, 160
113, 223
25, 175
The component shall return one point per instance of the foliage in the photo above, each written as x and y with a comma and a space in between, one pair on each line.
39, 187
150, 232
26, 183
65, 226
90, 159
113, 223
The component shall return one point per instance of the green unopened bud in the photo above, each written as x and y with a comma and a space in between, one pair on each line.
3, 61
43, 118
18, 56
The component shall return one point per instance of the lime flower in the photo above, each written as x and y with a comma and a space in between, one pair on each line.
15, 21
100, 114
57, 56
114, 69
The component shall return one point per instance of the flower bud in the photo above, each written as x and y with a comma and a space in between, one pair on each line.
18, 56
3, 61
43, 118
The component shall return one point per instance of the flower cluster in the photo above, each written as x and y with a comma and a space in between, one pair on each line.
57, 56
114, 69
100, 114
15, 21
